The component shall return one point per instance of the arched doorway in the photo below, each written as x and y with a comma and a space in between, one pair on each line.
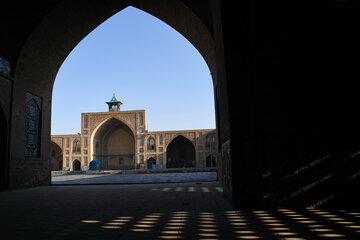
150, 162
56, 157
76, 165
180, 153
113, 145
3, 151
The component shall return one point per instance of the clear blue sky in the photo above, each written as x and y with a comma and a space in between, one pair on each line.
147, 64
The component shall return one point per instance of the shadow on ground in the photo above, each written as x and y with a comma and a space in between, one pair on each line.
159, 211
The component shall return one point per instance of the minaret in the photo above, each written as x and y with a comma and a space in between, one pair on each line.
114, 104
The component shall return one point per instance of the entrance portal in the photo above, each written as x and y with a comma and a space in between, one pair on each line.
76, 165
180, 153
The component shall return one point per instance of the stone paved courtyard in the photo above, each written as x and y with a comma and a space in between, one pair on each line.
135, 178
158, 211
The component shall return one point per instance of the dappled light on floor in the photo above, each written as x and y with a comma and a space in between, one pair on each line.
233, 224
195, 210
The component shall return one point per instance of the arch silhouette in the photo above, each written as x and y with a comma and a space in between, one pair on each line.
65, 26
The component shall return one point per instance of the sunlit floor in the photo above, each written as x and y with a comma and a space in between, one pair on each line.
158, 211
134, 178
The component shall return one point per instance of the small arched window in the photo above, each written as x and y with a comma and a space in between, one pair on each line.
151, 144
76, 146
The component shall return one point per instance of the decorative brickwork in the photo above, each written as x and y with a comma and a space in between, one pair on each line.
135, 121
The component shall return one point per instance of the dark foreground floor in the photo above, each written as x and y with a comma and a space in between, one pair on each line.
158, 211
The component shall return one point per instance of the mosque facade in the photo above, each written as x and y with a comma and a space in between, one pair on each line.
119, 140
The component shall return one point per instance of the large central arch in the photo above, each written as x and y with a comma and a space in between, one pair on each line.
112, 143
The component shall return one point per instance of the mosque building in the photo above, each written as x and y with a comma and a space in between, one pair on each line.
119, 140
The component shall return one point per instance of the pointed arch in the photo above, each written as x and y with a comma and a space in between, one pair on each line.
180, 153
41, 57
112, 144
76, 146
174, 13
76, 165
151, 144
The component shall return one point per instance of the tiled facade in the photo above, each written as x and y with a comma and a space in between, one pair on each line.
147, 144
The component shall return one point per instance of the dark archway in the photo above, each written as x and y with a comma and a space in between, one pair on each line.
150, 162
3, 151
180, 153
76, 165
